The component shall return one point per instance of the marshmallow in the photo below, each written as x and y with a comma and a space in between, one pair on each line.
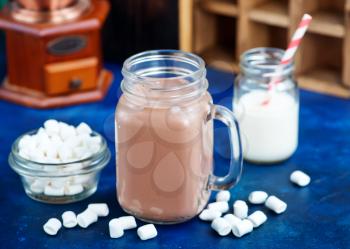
275, 204
52, 191
83, 128
67, 132
223, 195
43, 140
41, 134
221, 206
257, 197
300, 178
38, 186
72, 142
95, 140
209, 214
241, 228
146, 232
58, 182
83, 139
65, 153
100, 209
27, 142
69, 219
127, 222
240, 209
82, 179
52, 226
51, 127
24, 153
232, 219
221, 226
56, 141
86, 218
257, 218
51, 151
93, 149
62, 125
79, 152
36, 155
73, 189
115, 229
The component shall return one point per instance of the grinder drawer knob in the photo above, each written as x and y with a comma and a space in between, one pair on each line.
75, 84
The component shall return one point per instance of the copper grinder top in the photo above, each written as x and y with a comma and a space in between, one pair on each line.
45, 5
48, 11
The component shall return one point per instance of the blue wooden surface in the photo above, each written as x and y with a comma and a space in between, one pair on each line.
317, 216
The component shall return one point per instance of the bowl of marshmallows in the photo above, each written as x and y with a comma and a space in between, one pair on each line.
59, 163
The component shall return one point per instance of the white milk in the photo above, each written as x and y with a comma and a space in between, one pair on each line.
269, 132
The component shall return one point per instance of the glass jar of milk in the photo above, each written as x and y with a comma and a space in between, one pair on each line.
268, 119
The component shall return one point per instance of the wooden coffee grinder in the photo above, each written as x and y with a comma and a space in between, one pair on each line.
53, 52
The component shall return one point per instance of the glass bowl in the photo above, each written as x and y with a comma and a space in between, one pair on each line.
60, 183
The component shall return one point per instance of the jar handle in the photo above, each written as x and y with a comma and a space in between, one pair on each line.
224, 115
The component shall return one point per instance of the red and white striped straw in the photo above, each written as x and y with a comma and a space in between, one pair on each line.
292, 47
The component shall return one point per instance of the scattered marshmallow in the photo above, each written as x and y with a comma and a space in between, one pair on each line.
86, 218
115, 229
52, 191
257, 218
221, 206
223, 195
242, 228
52, 226
240, 209
221, 226
146, 232
100, 209
275, 204
232, 219
69, 219
209, 214
257, 197
300, 178
127, 222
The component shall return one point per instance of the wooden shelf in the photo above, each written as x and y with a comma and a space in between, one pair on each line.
328, 23
221, 30
274, 13
324, 80
221, 58
220, 7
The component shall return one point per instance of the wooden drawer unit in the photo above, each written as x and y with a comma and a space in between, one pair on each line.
66, 77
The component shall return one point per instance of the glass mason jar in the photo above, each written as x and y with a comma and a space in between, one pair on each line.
268, 118
164, 138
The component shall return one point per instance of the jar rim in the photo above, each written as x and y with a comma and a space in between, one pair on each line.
252, 62
25, 166
179, 55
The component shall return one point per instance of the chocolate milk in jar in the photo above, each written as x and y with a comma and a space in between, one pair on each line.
164, 138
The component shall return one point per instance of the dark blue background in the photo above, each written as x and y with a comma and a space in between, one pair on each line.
317, 216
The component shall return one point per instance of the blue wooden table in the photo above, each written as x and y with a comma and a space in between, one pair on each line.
317, 216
